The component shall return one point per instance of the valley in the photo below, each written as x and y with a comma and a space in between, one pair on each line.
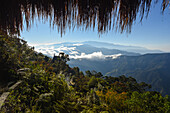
152, 68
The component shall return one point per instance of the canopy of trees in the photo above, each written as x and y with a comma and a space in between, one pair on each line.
103, 14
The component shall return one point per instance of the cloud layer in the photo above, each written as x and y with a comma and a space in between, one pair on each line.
73, 53
94, 56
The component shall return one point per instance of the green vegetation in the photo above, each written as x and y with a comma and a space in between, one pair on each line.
50, 85
151, 68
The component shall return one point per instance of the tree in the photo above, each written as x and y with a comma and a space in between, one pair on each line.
148, 102
115, 102
46, 58
88, 73
92, 82
99, 74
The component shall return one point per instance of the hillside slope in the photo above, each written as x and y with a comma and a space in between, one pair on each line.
150, 68
50, 85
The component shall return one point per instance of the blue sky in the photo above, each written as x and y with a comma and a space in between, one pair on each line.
152, 33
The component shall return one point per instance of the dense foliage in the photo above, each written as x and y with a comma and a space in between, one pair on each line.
50, 85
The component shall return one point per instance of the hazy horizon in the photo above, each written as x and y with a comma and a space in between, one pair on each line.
32, 44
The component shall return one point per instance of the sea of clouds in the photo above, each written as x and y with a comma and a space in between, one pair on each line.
73, 53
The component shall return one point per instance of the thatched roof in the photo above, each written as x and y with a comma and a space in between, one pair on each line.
103, 14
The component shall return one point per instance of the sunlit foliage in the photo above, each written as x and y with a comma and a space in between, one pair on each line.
115, 101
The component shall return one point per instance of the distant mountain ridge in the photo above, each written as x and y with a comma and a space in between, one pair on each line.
89, 47
135, 49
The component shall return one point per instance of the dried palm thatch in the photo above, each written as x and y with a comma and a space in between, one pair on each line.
103, 14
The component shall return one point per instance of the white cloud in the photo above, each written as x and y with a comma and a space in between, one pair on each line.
77, 44
94, 56
62, 48
74, 52
51, 50
47, 51
114, 56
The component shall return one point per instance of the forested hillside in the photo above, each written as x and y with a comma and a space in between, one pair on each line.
153, 69
50, 85
150, 68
